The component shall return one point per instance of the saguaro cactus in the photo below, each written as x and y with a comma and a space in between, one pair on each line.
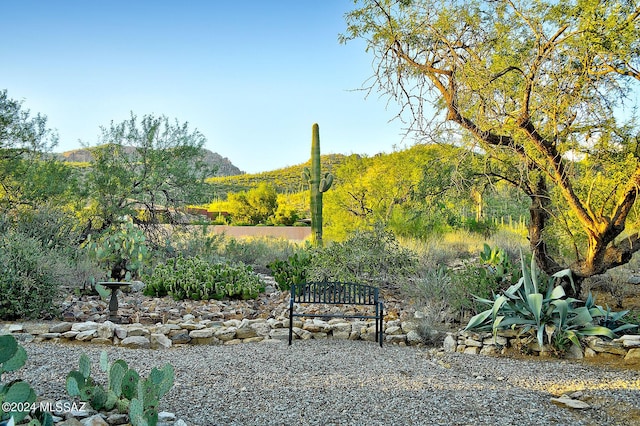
318, 184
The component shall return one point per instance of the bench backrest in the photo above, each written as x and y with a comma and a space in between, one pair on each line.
333, 293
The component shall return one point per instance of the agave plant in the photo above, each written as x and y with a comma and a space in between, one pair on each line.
523, 306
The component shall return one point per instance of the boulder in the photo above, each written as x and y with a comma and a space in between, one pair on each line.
140, 342
159, 340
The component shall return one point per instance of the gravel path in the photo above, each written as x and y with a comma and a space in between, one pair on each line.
335, 382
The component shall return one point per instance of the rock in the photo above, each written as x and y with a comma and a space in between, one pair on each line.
414, 338
245, 331
633, 355
590, 353
120, 332
571, 403
106, 330
280, 334
159, 340
95, 420
574, 352
450, 343
225, 333
136, 286
117, 419
84, 326
86, 335
50, 335
495, 340
253, 339
395, 338
489, 350
168, 328
13, 328
472, 342
343, 335
393, 330
101, 341
473, 350
61, 327
165, 416
203, 333
180, 338
312, 327
192, 326
188, 317
136, 342
138, 331
70, 422
342, 327
629, 341
69, 335
36, 329
263, 329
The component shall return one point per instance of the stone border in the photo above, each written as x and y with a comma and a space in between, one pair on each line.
188, 330
626, 347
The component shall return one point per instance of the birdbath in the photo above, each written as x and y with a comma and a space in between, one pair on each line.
113, 302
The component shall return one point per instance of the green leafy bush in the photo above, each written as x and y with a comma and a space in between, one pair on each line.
372, 256
31, 276
13, 357
291, 271
480, 281
523, 306
126, 391
193, 278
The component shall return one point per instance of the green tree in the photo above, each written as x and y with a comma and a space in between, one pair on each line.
255, 206
542, 87
27, 175
146, 169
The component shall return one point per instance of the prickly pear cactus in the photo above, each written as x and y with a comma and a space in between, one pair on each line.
318, 185
126, 391
12, 357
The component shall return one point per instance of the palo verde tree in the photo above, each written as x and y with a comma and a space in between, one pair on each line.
547, 90
28, 176
146, 169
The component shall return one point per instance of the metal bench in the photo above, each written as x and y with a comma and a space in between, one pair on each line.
334, 293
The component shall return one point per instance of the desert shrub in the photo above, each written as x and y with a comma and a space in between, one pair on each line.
492, 272
192, 241
430, 293
372, 256
446, 295
257, 252
196, 279
31, 276
292, 270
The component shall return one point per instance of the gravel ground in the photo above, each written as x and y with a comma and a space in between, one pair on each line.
335, 382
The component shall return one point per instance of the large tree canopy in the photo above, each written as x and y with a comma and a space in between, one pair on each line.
546, 88
146, 169
27, 175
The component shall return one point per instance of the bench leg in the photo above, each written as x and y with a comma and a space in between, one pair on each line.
381, 323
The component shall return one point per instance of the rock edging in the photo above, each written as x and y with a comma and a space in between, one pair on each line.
626, 347
189, 330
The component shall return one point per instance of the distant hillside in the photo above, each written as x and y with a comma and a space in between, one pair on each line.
286, 180
224, 165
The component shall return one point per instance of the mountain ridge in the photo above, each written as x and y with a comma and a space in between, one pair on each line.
224, 166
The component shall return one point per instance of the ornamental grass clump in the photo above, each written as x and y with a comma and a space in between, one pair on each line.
538, 307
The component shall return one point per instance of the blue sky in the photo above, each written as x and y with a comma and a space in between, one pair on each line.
252, 76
